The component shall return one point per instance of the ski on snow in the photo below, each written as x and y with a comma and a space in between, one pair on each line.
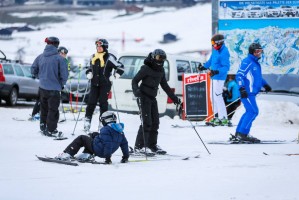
72, 162
262, 142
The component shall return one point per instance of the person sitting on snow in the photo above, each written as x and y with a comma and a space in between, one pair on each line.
102, 144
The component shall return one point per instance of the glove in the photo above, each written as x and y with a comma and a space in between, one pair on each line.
201, 67
114, 77
108, 161
178, 101
89, 75
267, 88
213, 72
137, 93
243, 93
124, 159
33, 76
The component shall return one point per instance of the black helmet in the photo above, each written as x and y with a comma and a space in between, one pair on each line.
253, 47
53, 41
102, 42
217, 39
159, 56
108, 117
63, 50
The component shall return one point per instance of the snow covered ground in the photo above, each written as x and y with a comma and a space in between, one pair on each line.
229, 172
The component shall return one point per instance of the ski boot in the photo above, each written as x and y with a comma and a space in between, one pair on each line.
243, 139
214, 122
143, 151
55, 133
87, 124
64, 157
85, 157
158, 150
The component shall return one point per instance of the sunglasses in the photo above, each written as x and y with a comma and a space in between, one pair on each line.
160, 58
218, 42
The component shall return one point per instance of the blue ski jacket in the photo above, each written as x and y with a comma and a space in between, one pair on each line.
219, 60
249, 75
110, 138
233, 87
51, 68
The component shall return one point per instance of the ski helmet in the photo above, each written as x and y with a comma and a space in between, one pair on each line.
159, 56
253, 47
103, 43
53, 41
62, 50
108, 117
217, 39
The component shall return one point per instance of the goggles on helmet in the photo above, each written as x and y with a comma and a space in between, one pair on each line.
218, 42
160, 58
99, 43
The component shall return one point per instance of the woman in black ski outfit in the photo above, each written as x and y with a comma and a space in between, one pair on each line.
151, 75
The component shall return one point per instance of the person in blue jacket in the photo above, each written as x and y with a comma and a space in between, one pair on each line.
51, 69
102, 144
250, 81
232, 97
218, 66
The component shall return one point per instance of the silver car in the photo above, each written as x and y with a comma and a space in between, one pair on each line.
16, 82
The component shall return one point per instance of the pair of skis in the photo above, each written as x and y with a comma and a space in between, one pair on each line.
66, 162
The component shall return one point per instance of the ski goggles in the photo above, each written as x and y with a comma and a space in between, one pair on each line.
218, 42
258, 51
100, 43
160, 58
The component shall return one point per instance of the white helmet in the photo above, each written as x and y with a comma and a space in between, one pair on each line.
108, 117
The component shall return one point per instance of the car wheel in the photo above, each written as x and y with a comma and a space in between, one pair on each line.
12, 98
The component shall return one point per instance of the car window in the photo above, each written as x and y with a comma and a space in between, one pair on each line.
19, 70
182, 66
132, 65
26, 70
194, 66
8, 69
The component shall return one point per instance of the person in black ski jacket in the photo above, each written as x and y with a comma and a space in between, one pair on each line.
151, 75
102, 144
51, 69
102, 64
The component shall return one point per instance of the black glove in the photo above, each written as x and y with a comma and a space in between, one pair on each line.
243, 93
213, 72
201, 67
178, 101
267, 88
137, 93
124, 159
108, 161
33, 76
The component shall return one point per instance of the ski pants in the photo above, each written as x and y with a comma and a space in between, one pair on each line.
49, 104
81, 141
97, 94
36, 107
150, 121
251, 112
231, 109
218, 101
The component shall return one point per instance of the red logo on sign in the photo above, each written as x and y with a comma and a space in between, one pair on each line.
195, 78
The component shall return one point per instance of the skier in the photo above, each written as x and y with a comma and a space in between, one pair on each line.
218, 66
151, 75
100, 73
102, 144
250, 81
51, 69
232, 98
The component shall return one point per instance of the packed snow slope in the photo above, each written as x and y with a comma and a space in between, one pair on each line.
229, 172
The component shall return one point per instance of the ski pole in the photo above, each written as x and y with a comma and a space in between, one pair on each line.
198, 135
62, 111
81, 107
141, 119
77, 96
115, 102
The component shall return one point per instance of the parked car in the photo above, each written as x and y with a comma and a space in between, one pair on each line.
175, 65
76, 86
272, 12
255, 11
288, 11
16, 82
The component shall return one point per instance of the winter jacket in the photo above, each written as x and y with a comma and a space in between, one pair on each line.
151, 76
101, 71
51, 68
233, 89
110, 138
219, 60
249, 75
